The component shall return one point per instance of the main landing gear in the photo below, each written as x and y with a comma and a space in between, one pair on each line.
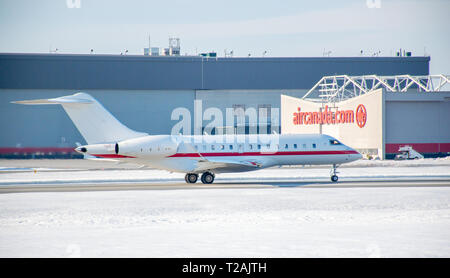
206, 178
334, 172
191, 178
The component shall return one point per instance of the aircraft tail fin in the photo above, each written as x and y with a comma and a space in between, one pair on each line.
94, 122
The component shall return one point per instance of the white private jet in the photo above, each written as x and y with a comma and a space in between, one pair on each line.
198, 154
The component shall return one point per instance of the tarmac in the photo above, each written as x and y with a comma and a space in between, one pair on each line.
71, 165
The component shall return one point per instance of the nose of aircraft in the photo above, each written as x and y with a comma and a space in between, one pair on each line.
356, 156
353, 154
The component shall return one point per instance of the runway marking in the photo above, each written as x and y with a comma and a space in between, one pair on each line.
225, 185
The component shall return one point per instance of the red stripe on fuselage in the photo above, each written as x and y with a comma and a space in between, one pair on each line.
263, 154
237, 154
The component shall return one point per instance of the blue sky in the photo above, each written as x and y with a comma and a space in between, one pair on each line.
282, 28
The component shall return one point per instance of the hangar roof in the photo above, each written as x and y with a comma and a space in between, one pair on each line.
94, 71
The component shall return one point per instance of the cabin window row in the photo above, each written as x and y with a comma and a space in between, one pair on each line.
251, 147
157, 149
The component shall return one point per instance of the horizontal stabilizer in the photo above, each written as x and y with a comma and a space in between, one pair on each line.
60, 100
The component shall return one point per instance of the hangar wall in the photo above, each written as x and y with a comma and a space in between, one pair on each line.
421, 120
135, 72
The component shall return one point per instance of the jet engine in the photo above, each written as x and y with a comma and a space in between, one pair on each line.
97, 149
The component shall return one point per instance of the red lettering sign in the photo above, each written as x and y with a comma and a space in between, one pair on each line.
361, 116
326, 116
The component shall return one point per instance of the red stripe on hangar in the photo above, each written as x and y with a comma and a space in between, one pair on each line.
420, 147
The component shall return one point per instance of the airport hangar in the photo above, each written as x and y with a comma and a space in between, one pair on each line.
142, 91
375, 114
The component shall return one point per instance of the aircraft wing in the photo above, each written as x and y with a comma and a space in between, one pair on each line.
94, 158
211, 163
225, 163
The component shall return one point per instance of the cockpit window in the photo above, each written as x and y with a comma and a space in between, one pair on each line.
335, 142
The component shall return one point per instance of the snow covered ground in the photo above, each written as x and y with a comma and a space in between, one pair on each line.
266, 222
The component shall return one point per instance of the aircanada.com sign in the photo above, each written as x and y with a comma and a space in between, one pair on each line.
327, 116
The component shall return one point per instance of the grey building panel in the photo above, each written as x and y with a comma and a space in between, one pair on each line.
115, 72
35, 125
49, 125
413, 95
223, 99
301, 73
97, 72
250, 99
418, 121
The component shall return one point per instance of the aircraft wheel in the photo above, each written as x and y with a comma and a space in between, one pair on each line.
207, 178
334, 178
191, 178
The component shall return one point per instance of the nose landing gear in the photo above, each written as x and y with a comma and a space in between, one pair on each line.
334, 172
